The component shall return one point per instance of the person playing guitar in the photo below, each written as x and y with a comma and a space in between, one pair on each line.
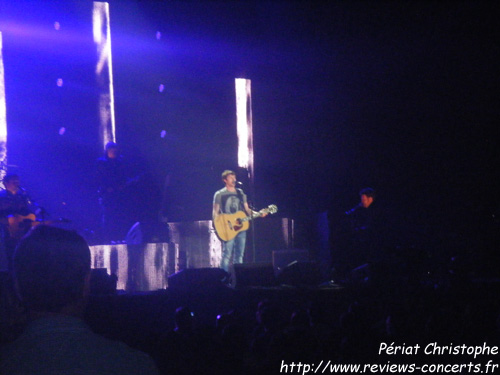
16, 210
230, 200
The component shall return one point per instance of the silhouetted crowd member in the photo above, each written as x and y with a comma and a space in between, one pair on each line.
232, 343
187, 349
52, 272
269, 326
358, 339
296, 342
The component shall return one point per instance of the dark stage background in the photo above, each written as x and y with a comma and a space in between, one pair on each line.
399, 96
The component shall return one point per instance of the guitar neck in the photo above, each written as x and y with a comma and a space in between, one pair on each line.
254, 216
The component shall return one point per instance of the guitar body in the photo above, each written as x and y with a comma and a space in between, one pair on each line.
18, 225
228, 226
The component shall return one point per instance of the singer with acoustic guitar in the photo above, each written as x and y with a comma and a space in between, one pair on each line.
231, 200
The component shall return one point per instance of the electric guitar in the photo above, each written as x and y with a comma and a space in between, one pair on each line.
19, 225
227, 226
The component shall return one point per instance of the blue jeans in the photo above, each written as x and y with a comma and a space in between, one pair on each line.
234, 247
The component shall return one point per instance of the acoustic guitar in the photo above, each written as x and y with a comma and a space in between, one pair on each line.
19, 225
227, 226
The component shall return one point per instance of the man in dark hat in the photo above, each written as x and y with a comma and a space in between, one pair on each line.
112, 180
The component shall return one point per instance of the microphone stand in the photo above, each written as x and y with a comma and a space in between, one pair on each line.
37, 209
253, 236
252, 219
252, 192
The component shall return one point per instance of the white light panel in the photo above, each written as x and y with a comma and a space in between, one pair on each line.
104, 71
244, 124
3, 118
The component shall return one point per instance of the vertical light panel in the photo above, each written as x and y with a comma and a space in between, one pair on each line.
104, 71
3, 118
244, 124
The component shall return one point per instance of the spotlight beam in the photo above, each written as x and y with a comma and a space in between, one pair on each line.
244, 125
3, 118
104, 71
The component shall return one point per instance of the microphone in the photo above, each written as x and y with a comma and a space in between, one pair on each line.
239, 183
23, 193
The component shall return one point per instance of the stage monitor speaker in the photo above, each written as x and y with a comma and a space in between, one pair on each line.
253, 274
282, 258
300, 274
198, 278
